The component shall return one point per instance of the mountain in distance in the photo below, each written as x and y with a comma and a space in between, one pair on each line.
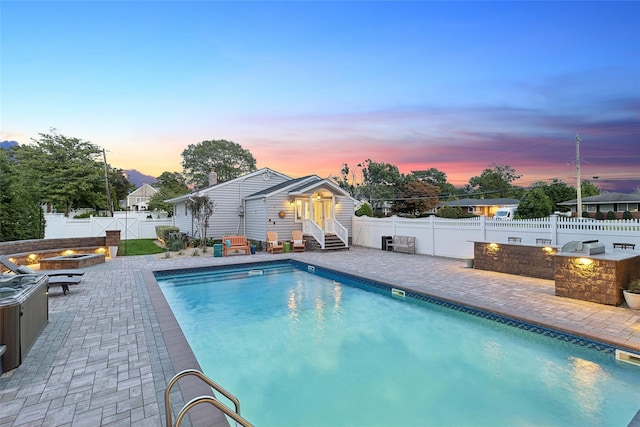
138, 178
7, 144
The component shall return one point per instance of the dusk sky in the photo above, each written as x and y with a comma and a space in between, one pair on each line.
306, 86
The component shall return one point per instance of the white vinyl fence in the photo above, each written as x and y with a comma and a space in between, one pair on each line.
131, 226
454, 237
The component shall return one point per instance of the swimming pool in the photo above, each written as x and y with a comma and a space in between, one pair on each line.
311, 350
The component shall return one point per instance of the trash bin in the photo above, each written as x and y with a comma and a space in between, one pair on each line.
385, 242
217, 249
287, 247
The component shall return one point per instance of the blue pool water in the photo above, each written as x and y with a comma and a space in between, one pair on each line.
302, 350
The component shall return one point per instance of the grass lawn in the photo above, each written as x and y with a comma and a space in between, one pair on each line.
139, 247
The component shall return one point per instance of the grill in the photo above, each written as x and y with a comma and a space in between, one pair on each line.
587, 247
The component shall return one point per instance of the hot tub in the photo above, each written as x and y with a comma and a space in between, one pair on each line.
24, 312
71, 261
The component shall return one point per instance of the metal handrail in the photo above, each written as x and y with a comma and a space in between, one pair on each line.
215, 402
209, 382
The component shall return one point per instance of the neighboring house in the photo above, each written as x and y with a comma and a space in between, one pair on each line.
138, 199
267, 200
482, 207
605, 202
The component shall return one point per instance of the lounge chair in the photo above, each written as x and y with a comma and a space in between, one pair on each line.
297, 243
62, 278
273, 244
21, 269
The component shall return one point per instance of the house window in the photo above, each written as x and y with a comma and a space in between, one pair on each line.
590, 208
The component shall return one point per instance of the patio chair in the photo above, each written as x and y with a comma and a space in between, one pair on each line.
298, 243
22, 269
273, 244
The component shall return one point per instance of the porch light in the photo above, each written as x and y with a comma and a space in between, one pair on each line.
291, 202
318, 197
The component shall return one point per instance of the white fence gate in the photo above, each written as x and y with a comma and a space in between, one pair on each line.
454, 237
131, 226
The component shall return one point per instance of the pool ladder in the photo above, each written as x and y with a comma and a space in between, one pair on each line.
234, 414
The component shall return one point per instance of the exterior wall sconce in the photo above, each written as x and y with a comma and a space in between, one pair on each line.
290, 202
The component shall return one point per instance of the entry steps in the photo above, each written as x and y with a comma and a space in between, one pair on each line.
232, 413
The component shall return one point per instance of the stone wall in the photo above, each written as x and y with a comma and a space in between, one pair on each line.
47, 248
523, 260
595, 279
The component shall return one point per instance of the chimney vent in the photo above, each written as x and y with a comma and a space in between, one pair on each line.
213, 178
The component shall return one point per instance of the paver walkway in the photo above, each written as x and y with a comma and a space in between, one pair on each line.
103, 360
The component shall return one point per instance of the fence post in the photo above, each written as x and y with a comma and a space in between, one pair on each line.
483, 227
554, 229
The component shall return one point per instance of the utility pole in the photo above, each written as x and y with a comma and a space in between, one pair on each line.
106, 181
579, 188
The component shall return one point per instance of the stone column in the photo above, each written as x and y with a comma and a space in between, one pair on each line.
112, 241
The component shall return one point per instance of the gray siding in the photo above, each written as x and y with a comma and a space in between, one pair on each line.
227, 200
284, 226
182, 219
344, 212
256, 219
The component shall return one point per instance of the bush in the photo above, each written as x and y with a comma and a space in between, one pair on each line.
611, 215
175, 245
450, 212
86, 215
599, 215
627, 215
364, 210
162, 231
585, 214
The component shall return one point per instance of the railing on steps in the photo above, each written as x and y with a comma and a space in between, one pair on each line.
234, 414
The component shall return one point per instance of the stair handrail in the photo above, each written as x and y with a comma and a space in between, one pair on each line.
215, 402
341, 231
310, 227
204, 378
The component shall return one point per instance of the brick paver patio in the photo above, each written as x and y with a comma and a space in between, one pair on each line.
103, 359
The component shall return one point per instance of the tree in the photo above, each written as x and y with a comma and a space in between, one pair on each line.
119, 185
495, 181
201, 208
557, 192
169, 185
21, 217
535, 204
416, 197
65, 171
435, 177
589, 189
380, 181
227, 159
349, 180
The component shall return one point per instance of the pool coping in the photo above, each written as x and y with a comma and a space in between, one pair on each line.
182, 360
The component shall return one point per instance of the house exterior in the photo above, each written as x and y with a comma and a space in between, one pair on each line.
138, 199
267, 200
605, 202
482, 207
